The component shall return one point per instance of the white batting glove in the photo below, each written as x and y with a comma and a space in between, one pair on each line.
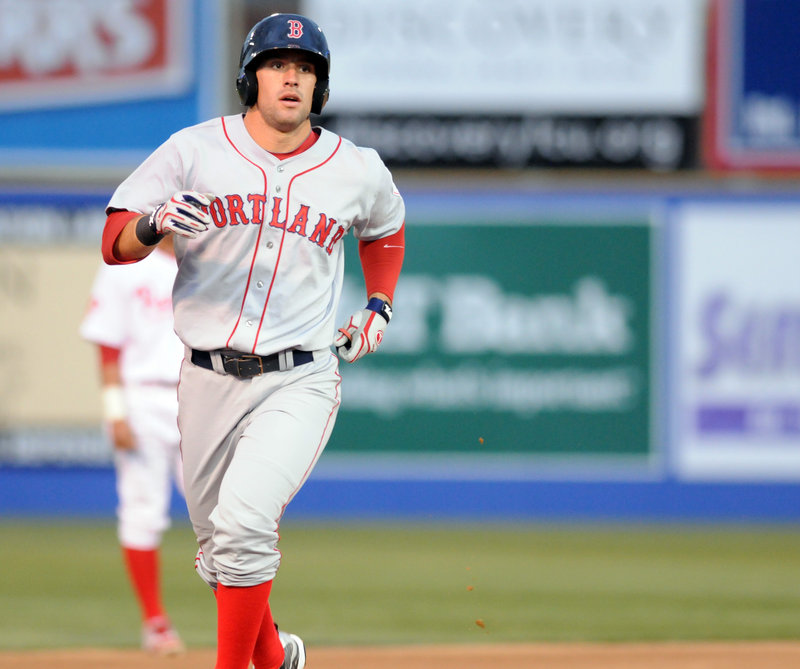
363, 333
185, 213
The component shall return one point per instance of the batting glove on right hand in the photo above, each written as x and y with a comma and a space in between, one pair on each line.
364, 331
185, 213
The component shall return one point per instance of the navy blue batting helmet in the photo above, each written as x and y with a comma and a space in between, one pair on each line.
284, 31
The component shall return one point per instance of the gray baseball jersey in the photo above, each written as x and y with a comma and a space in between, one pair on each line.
268, 275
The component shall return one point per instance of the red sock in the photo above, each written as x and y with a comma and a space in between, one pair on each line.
240, 612
268, 653
144, 575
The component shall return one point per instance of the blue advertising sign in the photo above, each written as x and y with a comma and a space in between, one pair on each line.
87, 84
754, 85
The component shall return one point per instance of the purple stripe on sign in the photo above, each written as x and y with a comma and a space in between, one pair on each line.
717, 418
764, 419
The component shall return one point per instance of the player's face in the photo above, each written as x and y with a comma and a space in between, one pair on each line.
286, 83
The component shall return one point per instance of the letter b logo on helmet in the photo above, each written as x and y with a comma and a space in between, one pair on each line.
284, 31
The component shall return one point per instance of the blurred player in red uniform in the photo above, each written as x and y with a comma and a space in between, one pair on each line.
130, 320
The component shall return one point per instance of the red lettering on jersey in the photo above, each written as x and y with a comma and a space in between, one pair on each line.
322, 230
258, 200
236, 210
218, 213
230, 210
151, 302
144, 296
295, 29
336, 237
298, 226
275, 222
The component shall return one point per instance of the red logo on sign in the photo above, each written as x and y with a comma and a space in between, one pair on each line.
77, 52
295, 29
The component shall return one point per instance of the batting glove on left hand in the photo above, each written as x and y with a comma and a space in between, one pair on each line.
185, 213
363, 333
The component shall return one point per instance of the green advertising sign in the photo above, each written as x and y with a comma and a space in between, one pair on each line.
509, 339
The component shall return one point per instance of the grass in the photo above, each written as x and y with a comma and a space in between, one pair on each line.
62, 585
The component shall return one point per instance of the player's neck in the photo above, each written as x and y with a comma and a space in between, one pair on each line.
274, 140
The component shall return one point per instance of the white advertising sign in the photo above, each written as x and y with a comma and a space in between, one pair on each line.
735, 328
514, 56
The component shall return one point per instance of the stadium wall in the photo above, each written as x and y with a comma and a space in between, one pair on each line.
639, 366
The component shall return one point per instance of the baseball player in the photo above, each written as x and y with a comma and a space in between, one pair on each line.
259, 205
130, 320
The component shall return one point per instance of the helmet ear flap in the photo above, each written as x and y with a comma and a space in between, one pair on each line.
321, 93
247, 87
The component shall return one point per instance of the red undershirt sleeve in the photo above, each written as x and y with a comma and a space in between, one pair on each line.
109, 354
381, 260
115, 221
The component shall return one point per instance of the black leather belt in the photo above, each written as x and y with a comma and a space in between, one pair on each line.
247, 365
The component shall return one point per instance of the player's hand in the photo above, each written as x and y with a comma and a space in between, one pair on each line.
122, 435
363, 333
185, 213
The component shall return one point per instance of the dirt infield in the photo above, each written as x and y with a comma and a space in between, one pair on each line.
766, 655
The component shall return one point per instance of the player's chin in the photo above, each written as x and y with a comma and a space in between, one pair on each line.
290, 116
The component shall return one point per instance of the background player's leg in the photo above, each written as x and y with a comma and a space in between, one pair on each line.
144, 487
143, 571
140, 548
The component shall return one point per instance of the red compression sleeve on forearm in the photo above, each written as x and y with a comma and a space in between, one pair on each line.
381, 260
115, 221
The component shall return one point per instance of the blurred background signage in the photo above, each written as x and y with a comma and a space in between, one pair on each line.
92, 84
87, 51
491, 360
754, 85
592, 305
736, 332
518, 82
